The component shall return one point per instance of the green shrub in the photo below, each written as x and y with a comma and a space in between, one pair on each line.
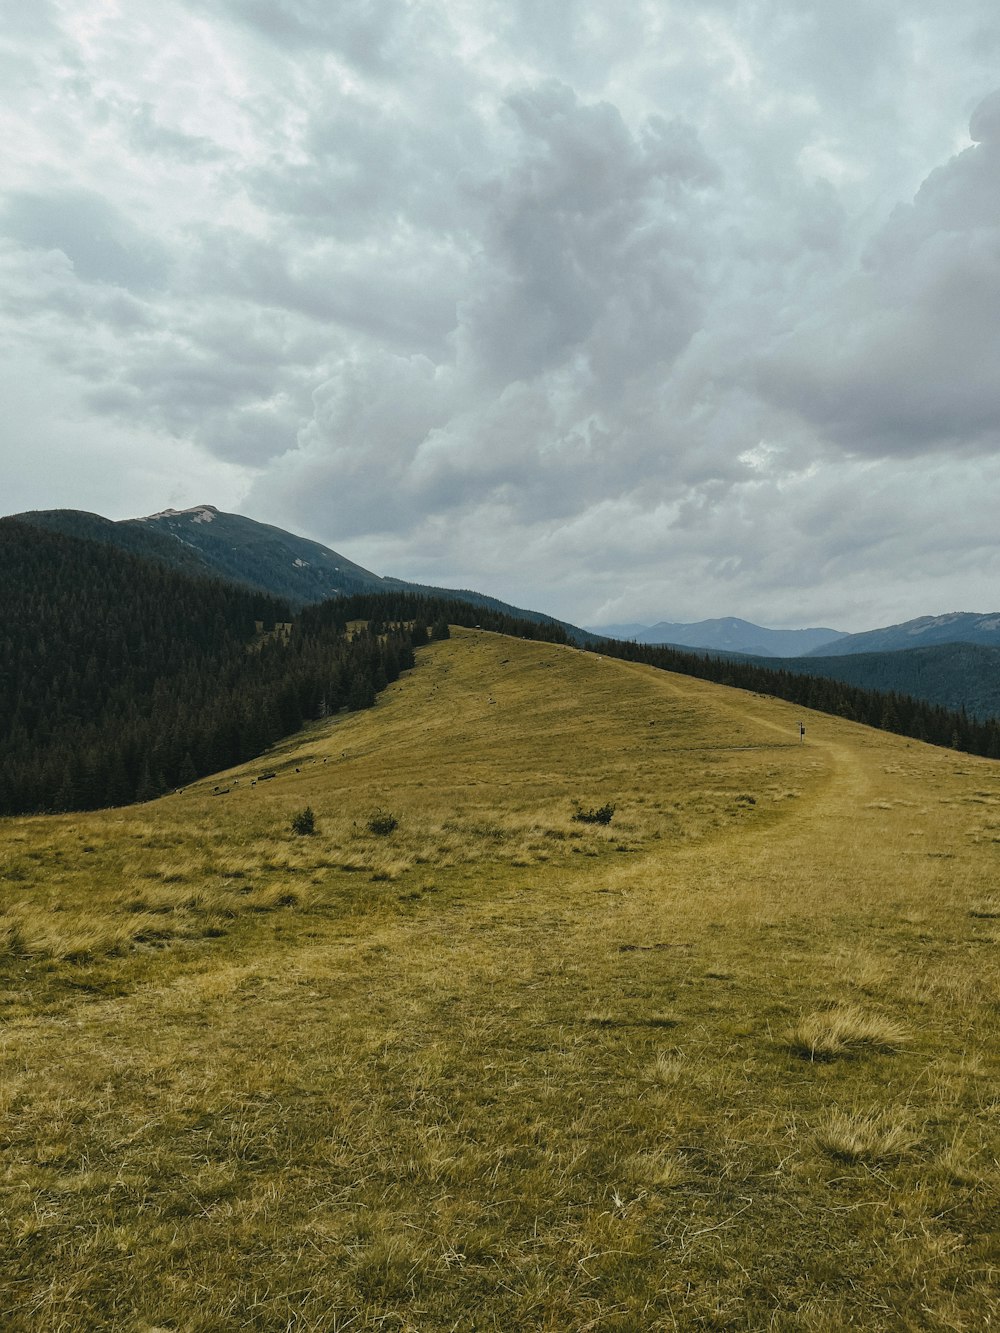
602, 815
304, 822
382, 824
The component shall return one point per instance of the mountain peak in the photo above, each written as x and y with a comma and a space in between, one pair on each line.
199, 513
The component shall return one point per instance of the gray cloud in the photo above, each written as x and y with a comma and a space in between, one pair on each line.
147, 135
582, 227
98, 241
902, 361
368, 35
669, 311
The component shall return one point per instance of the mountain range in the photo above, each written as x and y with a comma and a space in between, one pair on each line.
924, 632
729, 634
952, 660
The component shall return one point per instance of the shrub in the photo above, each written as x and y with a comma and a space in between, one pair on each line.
304, 822
602, 815
382, 824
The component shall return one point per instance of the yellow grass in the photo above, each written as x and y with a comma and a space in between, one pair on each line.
842, 1031
728, 1062
872, 1136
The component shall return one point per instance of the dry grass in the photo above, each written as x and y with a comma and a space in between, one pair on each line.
833, 1034
873, 1137
670, 1068
500, 1069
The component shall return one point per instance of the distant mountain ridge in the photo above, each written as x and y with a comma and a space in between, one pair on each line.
727, 634
955, 627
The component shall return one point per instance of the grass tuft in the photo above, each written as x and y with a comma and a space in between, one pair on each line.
833, 1034
870, 1137
661, 1169
669, 1068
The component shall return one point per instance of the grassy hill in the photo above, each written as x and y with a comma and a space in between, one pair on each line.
728, 1062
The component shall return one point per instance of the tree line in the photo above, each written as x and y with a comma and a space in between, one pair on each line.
389, 608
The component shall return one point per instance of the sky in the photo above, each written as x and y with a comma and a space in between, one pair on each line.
667, 309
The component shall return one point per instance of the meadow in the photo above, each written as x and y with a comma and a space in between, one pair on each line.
726, 1062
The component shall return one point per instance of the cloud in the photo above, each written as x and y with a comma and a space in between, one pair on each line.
586, 244
366, 34
585, 282
902, 360
674, 310
99, 242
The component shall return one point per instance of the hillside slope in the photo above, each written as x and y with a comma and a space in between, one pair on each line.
952, 675
503, 1068
121, 677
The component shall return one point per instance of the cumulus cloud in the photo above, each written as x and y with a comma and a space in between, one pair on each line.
675, 311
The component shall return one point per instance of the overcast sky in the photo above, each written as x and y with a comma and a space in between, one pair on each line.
665, 309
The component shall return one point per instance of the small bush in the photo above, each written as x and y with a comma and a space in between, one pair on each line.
382, 824
304, 822
602, 815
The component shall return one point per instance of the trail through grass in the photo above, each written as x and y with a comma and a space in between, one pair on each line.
727, 1062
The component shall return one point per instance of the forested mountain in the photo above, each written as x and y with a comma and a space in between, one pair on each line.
955, 675
121, 678
206, 540
265, 556
256, 555
134, 538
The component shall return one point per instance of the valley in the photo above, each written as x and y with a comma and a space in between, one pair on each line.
729, 1061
